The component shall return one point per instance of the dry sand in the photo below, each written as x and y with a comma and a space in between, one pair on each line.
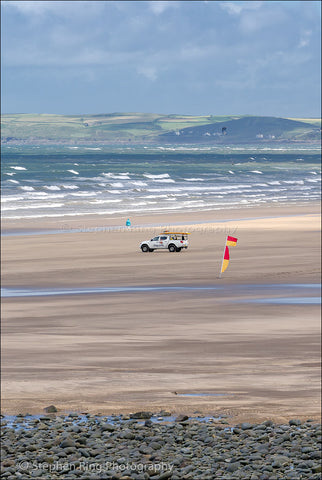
124, 352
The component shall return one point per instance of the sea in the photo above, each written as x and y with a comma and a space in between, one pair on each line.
41, 181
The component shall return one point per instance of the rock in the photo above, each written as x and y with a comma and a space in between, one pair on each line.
67, 442
155, 445
164, 475
295, 422
246, 426
280, 461
268, 423
317, 468
181, 418
141, 415
50, 409
165, 413
232, 467
107, 427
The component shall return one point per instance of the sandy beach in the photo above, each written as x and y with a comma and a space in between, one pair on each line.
144, 350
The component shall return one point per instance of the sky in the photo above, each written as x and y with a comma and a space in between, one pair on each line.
166, 57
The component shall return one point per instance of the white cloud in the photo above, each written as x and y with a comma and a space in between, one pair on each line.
305, 38
148, 72
236, 8
35, 8
39, 9
159, 6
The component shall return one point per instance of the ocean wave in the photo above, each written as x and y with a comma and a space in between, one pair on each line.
139, 183
51, 187
117, 185
18, 168
70, 187
101, 202
256, 171
73, 171
164, 180
293, 182
153, 177
117, 176
33, 206
27, 189
12, 181
194, 179
10, 198
84, 194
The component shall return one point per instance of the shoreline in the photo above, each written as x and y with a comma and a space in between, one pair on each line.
159, 219
125, 352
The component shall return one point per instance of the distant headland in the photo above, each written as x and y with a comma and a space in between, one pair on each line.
138, 128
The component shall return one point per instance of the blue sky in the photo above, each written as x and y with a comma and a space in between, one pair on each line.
185, 57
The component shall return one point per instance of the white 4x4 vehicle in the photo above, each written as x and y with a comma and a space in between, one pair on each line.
173, 241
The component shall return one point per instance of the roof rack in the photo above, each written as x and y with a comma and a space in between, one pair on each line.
174, 233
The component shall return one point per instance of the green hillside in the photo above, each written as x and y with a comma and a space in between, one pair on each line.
248, 128
149, 127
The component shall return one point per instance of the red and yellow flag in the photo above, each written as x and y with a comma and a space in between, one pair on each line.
225, 260
230, 242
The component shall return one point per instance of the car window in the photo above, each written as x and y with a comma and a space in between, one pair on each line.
155, 239
163, 238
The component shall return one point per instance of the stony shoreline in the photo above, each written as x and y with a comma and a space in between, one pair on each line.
144, 446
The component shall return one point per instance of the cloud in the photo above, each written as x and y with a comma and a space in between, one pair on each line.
38, 10
178, 48
305, 39
236, 8
159, 6
148, 72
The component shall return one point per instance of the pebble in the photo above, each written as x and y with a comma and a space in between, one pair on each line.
139, 449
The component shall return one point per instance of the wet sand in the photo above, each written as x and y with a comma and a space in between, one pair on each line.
130, 351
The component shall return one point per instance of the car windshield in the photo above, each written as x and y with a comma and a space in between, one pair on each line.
155, 239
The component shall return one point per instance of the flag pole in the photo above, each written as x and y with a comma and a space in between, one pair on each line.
223, 256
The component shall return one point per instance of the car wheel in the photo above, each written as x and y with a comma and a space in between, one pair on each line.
178, 249
172, 248
145, 248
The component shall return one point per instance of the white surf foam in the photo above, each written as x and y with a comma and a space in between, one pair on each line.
153, 177
194, 179
163, 180
51, 187
11, 198
139, 184
117, 185
70, 187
